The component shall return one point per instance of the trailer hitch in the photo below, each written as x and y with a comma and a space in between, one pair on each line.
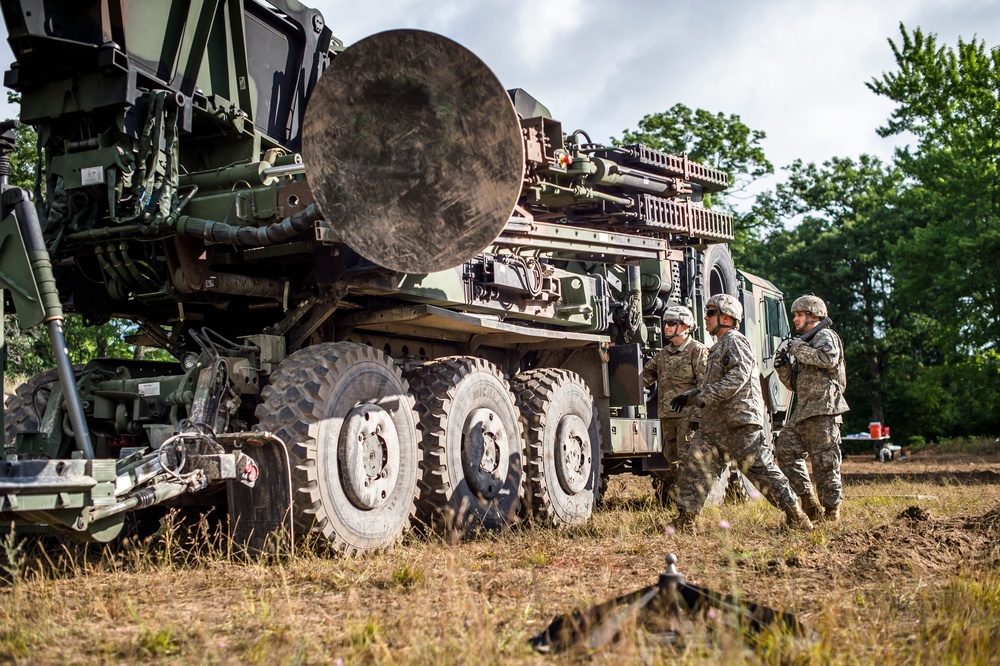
89, 498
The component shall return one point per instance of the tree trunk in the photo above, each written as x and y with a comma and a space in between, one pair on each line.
871, 352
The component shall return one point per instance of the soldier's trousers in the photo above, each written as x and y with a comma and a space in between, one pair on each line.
676, 439
744, 445
818, 439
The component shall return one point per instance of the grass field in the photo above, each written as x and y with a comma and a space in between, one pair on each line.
911, 575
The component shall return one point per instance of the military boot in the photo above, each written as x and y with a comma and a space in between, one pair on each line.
797, 519
833, 514
811, 506
686, 521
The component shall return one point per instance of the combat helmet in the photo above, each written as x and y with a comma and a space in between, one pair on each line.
679, 313
727, 305
810, 304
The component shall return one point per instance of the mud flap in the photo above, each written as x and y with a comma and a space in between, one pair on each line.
260, 517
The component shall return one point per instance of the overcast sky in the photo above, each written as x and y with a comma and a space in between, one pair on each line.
793, 69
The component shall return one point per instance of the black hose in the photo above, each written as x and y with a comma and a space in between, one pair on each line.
229, 234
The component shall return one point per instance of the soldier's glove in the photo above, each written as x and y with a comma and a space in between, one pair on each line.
781, 359
678, 403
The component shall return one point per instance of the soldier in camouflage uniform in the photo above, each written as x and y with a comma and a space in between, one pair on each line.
678, 367
731, 423
815, 370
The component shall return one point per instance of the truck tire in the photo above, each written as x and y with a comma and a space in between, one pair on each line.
717, 274
24, 408
472, 472
563, 446
346, 415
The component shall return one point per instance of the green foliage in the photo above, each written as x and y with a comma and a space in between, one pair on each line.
29, 352
958, 397
944, 374
365, 635
721, 141
949, 100
536, 559
906, 255
157, 643
24, 159
405, 576
839, 250
715, 139
969, 445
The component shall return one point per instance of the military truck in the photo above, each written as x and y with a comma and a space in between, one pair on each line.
395, 293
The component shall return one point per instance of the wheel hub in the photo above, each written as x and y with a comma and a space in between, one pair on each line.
485, 452
366, 453
573, 455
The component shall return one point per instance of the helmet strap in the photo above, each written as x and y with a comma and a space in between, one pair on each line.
720, 325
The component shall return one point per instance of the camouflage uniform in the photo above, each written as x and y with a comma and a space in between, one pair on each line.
675, 370
817, 374
731, 423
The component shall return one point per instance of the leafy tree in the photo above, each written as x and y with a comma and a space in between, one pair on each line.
948, 99
23, 159
934, 395
717, 140
839, 250
721, 141
944, 372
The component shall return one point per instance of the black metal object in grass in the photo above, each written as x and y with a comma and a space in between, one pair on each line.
667, 611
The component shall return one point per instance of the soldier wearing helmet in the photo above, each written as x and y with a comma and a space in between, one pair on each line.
678, 367
815, 370
731, 422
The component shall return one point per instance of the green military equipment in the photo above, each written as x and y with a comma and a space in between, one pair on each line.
395, 291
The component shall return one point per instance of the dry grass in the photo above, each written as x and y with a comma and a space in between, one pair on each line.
10, 384
878, 588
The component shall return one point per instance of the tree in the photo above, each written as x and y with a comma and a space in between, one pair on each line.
717, 140
949, 100
839, 250
945, 373
933, 394
721, 141
23, 160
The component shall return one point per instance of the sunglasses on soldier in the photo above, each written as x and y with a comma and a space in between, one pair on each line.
711, 313
672, 323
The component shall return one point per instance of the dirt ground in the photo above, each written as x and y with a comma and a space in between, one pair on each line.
911, 575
